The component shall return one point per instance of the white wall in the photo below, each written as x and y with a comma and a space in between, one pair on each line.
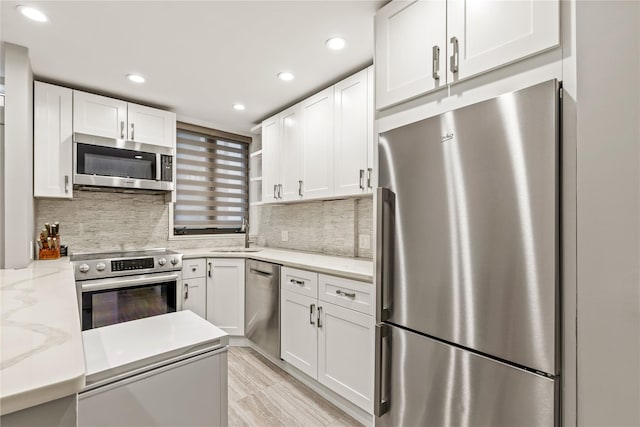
608, 206
18, 157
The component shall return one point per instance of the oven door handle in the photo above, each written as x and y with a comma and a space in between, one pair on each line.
102, 284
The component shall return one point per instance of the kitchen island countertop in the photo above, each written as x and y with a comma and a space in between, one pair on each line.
42, 357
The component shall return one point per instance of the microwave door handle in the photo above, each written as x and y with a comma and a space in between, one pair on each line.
158, 167
104, 284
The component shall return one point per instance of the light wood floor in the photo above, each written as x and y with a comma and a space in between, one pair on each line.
261, 394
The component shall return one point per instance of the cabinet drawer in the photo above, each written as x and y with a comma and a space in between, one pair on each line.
346, 293
193, 268
300, 281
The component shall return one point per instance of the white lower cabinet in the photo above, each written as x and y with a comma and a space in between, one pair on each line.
299, 342
194, 295
225, 294
326, 340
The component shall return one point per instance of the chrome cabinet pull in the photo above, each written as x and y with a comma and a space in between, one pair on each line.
279, 191
122, 129
186, 291
455, 56
300, 188
193, 269
319, 317
132, 132
209, 269
361, 179
275, 186
384, 251
346, 294
369, 173
435, 63
311, 308
66, 183
381, 383
297, 282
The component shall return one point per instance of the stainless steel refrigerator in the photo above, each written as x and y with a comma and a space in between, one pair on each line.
467, 266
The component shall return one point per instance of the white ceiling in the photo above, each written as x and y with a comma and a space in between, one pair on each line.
199, 57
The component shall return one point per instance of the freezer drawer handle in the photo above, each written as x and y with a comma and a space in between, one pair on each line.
311, 309
381, 402
384, 252
263, 273
346, 294
297, 282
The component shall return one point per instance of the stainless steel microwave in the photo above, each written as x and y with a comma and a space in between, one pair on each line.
103, 162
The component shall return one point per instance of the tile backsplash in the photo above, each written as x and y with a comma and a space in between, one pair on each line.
103, 221
329, 227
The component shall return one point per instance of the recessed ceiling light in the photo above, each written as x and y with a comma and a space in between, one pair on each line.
136, 78
33, 14
336, 43
285, 75
238, 107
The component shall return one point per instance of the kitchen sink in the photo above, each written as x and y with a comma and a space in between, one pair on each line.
236, 250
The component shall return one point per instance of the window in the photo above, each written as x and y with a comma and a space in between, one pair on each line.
212, 181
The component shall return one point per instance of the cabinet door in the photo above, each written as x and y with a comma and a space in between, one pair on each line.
345, 353
351, 134
406, 33
291, 154
225, 294
99, 115
372, 166
298, 333
492, 33
270, 158
318, 144
151, 126
52, 141
194, 296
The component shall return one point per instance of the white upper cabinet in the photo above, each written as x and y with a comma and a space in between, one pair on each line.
422, 45
291, 154
52, 141
352, 135
492, 33
112, 118
270, 159
318, 144
410, 49
99, 115
150, 125
323, 146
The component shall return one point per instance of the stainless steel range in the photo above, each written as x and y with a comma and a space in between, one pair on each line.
116, 287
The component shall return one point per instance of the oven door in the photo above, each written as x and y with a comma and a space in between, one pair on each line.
108, 301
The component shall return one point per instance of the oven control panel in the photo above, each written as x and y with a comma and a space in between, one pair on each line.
99, 268
132, 264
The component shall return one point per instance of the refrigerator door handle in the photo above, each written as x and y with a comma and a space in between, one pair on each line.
381, 402
384, 251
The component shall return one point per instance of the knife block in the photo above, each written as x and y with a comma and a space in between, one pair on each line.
49, 253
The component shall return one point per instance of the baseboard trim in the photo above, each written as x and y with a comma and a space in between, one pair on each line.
354, 411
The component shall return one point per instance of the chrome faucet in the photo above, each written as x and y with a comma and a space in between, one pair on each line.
244, 228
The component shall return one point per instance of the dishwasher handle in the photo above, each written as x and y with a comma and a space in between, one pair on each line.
260, 272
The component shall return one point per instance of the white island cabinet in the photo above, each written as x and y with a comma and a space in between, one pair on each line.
167, 370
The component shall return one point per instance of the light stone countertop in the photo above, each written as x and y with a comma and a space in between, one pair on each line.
42, 358
351, 268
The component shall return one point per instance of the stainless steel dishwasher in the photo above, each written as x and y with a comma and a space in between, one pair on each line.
262, 306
